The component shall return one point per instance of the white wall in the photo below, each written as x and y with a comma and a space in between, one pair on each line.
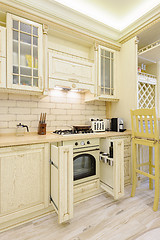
126, 83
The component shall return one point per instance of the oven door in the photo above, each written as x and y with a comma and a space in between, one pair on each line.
85, 165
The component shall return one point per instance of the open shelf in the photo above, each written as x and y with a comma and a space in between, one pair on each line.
150, 53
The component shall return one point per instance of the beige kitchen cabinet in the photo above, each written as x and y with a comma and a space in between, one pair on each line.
62, 181
106, 73
2, 57
112, 168
24, 180
2, 42
70, 71
24, 54
127, 157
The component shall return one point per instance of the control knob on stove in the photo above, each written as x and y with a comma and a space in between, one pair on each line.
88, 142
76, 143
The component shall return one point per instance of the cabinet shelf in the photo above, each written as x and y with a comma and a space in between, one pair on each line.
102, 98
150, 53
25, 44
21, 66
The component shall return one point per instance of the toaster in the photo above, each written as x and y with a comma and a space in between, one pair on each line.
98, 125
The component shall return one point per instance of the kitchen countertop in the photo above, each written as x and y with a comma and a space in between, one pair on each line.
31, 138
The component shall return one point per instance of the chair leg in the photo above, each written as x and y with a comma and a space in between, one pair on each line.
150, 167
134, 176
156, 196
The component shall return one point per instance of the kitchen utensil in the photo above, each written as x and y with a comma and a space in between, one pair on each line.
81, 127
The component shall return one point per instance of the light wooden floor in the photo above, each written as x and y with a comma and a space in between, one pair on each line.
98, 218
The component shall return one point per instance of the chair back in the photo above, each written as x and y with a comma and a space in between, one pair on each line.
144, 124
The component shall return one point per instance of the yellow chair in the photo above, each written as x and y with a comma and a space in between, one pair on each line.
145, 132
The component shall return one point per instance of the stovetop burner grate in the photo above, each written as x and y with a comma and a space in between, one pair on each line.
69, 132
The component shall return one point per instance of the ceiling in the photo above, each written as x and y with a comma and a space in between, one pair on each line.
117, 14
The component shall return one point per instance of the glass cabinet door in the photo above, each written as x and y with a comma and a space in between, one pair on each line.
106, 71
26, 41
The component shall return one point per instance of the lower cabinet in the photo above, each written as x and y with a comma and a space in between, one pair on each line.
112, 167
24, 180
29, 184
110, 177
62, 181
127, 157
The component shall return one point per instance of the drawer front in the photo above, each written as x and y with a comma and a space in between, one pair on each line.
85, 188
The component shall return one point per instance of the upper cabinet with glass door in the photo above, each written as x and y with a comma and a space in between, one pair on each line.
24, 54
106, 74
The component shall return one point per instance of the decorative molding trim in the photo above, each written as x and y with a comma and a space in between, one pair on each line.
140, 27
57, 16
45, 29
61, 17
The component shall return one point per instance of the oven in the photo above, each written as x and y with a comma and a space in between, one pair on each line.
85, 159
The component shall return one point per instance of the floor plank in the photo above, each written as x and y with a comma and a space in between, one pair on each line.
100, 218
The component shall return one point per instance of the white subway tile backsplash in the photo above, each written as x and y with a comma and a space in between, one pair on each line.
16, 110
27, 117
63, 117
7, 117
46, 105
63, 106
7, 103
3, 96
64, 109
40, 110
58, 111
3, 124
21, 97
3, 110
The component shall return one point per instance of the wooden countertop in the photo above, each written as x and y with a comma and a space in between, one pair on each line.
30, 138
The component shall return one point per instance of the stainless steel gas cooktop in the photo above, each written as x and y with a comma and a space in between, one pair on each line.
69, 132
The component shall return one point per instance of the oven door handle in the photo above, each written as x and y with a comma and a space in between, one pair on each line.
86, 151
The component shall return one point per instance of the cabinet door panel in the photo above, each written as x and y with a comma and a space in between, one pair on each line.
23, 174
66, 70
2, 42
2, 72
112, 177
62, 181
24, 180
24, 55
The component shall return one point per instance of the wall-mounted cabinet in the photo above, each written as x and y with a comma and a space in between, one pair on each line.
24, 54
70, 71
106, 62
2, 57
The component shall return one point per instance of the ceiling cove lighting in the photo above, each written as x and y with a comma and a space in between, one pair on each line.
108, 17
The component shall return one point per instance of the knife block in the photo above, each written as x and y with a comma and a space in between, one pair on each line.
42, 128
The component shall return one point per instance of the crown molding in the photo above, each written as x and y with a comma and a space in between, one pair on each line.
62, 17
59, 14
140, 25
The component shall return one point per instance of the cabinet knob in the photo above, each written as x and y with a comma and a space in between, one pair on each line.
88, 142
76, 143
